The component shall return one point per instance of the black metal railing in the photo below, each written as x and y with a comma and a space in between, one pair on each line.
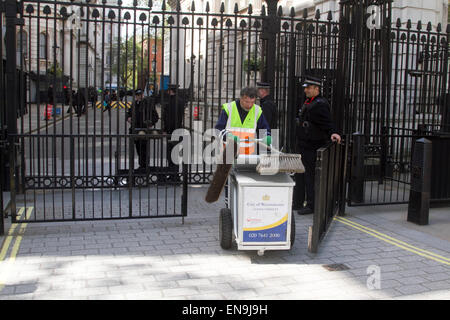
329, 189
381, 82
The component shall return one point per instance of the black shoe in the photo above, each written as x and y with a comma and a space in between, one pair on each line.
174, 178
305, 210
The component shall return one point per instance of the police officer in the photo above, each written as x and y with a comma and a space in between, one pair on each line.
267, 104
315, 129
173, 115
145, 117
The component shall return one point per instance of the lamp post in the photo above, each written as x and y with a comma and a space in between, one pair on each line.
270, 28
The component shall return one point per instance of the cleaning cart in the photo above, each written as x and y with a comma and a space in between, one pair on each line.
259, 204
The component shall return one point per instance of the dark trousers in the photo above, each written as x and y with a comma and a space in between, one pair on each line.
304, 182
141, 148
173, 167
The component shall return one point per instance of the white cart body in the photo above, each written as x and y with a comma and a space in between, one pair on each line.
261, 210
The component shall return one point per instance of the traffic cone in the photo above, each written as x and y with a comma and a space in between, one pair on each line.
48, 112
195, 113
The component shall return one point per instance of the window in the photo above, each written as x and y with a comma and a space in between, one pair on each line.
22, 45
242, 57
43, 46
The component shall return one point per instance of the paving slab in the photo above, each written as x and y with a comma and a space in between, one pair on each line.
163, 259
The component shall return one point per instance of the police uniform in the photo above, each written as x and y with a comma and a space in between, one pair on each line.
145, 116
173, 115
314, 130
268, 106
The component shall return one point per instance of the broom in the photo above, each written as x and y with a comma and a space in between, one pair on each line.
221, 174
278, 161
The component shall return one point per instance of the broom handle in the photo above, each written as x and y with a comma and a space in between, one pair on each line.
260, 142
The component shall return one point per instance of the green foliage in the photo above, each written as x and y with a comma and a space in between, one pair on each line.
252, 64
55, 69
131, 63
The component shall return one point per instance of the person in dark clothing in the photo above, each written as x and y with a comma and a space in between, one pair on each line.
81, 101
315, 129
267, 104
72, 101
114, 96
50, 97
145, 117
107, 101
173, 114
173, 111
92, 96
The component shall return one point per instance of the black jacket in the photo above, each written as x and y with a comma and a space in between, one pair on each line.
269, 109
146, 115
315, 125
173, 113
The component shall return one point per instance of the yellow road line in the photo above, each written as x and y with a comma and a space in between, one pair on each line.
394, 239
9, 237
16, 246
395, 242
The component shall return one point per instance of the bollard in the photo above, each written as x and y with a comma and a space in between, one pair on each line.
357, 169
419, 195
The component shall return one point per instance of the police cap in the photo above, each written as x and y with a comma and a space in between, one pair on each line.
312, 81
263, 85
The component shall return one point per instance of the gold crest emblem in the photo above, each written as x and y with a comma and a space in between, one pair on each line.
266, 197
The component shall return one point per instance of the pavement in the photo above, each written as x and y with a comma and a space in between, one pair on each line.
374, 252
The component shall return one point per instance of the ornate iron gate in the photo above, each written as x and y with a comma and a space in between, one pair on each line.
394, 85
69, 164
71, 138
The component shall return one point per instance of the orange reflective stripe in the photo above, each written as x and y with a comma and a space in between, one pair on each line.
244, 146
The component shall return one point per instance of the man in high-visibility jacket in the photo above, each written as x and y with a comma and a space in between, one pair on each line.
243, 119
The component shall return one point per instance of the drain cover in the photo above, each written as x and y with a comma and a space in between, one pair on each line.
335, 267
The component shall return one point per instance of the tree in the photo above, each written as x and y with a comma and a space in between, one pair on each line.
131, 66
54, 69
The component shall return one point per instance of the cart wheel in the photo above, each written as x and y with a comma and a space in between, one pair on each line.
292, 229
225, 229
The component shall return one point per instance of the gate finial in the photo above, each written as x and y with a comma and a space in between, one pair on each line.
419, 25
317, 16
280, 11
